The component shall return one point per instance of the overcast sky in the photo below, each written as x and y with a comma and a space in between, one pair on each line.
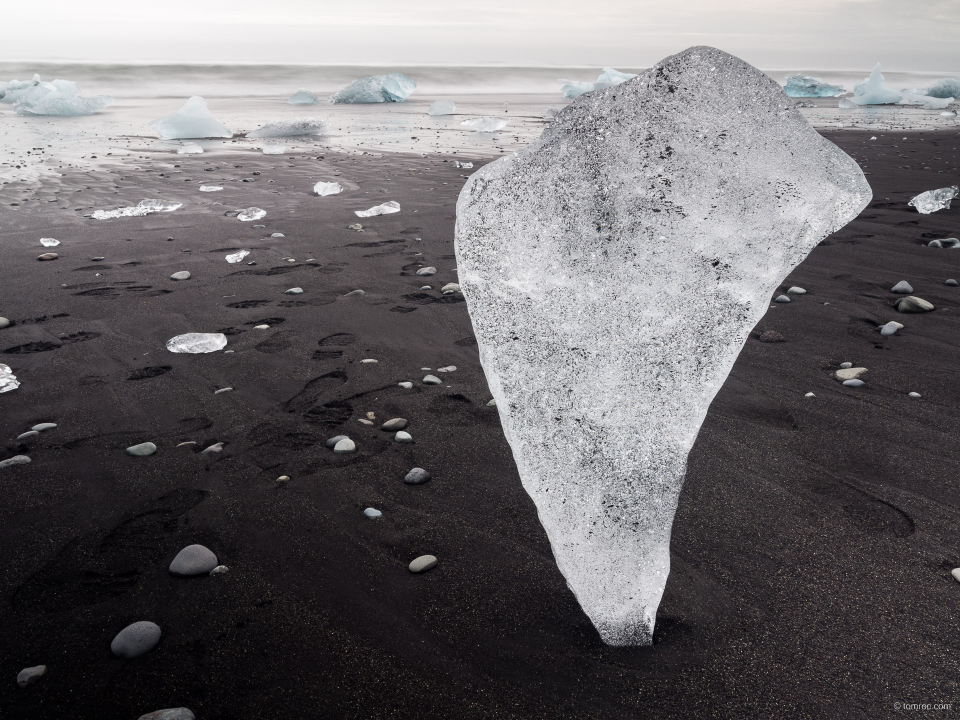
814, 34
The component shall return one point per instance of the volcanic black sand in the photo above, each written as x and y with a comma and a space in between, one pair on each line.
812, 548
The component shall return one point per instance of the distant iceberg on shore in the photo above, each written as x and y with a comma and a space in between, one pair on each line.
873, 90
303, 97
608, 78
808, 86
57, 98
946, 88
394, 87
193, 120
294, 127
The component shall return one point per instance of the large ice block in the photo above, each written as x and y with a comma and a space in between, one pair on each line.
946, 88
613, 270
808, 86
58, 97
376, 89
933, 200
193, 120
873, 90
293, 127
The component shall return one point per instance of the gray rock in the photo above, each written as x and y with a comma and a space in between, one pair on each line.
781, 299
345, 447
354, 293
372, 513
293, 291
423, 563
41, 427
796, 291
180, 713
450, 288
394, 424
951, 283
448, 368
211, 449
913, 304
405, 385
432, 380
403, 437
142, 450
136, 639
27, 435
4, 323
902, 287
914, 394
221, 569
854, 383
182, 275
193, 560
423, 272
332, 442
845, 365
48, 256
890, 328
850, 373
28, 676
417, 476
15, 460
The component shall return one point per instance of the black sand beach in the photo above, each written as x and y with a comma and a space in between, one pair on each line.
812, 548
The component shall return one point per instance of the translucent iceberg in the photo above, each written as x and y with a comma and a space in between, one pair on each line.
190, 149
59, 97
485, 124
327, 188
144, 207
8, 381
874, 91
376, 89
442, 107
608, 78
807, 86
193, 120
303, 97
11, 91
237, 256
930, 103
933, 200
251, 213
197, 343
946, 88
385, 209
578, 285
295, 127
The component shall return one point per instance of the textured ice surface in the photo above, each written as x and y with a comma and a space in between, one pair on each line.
58, 97
303, 97
376, 89
144, 207
579, 257
807, 86
237, 256
49, 242
442, 107
190, 148
485, 124
12, 91
920, 98
197, 343
608, 78
933, 200
251, 213
327, 188
946, 88
193, 120
8, 381
294, 127
388, 207
874, 91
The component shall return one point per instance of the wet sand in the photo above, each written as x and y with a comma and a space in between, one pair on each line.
812, 548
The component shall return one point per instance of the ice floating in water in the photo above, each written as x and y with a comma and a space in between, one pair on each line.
327, 188
376, 89
464, 165
274, 148
303, 97
485, 124
608, 78
251, 213
59, 97
946, 88
8, 381
237, 256
290, 128
385, 209
211, 188
193, 120
144, 207
189, 149
49, 242
874, 91
442, 107
197, 343
575, 282
933, 200
807, 86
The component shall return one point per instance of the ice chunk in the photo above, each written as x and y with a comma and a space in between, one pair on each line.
144, 207
59, 97
274, 148
385, 209
376, 89
190, 149
197, 343
485, 124
930, 103
8, 381
294, 127
578, 285
847, 104
933, 200
211, 188
442, 107
303, 97
807, 86
49, 242
465, 165
948, 243
327, 188
193, 120
946, 88
251, 213
874, 91
12, 91
608, 78
237, 256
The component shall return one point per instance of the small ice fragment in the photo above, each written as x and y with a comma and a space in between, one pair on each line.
8, 381
49, 242
949, 243
274, 148
386, 209
442, 107
197, 343
277, 235
376, 89
327, 188
251, 213
874, 91
144, 207
933, 200
485, 124
464, 165
237, 256
807, 86
303, 97
847, 104
193, 120
190, 149
211, 188
295, 127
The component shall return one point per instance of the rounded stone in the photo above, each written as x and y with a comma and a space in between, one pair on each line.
405, 385
136, 639
28, 676
4, 323
394, 424
403, 437
220, 570
845, 365
417, 476
368, 361
956, 574
182, 275
142, 450
27, 435
951, 282
853, 383
809, 395
427, 271
890, 328
913, 304
40, 427
48, 256
850, 373
448, 368
902, 288
180, 713
781, 299
432, 380
332, 442
15, 460
193, 560
450, 288
345, 447
796, 291
293, 291
372, 513
423, 563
